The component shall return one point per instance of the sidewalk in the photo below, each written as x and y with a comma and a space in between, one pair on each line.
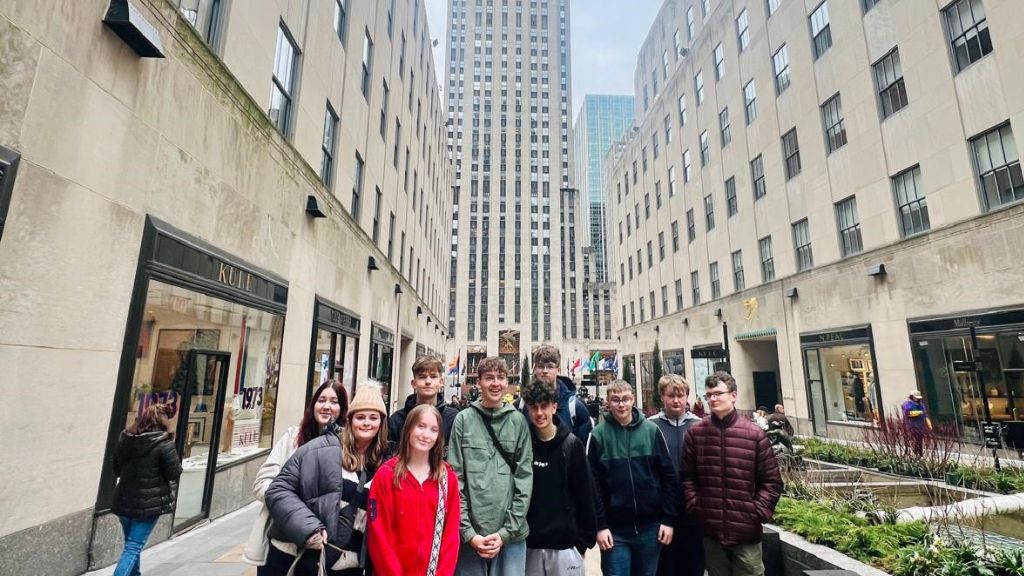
215, 550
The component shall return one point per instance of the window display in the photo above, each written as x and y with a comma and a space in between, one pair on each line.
842, 384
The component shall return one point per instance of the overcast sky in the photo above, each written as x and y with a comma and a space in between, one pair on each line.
606, 36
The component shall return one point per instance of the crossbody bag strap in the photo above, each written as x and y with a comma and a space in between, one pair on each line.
494, 438
439, 518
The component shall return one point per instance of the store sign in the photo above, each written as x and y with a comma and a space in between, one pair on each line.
234, 277
824, 338
382, 336
335, 319
963, 366
246, 434
708, 353
993, 435
1001, 318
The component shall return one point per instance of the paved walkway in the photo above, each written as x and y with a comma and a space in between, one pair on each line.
215, 549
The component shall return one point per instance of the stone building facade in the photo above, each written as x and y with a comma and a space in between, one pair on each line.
221, 228
824, 197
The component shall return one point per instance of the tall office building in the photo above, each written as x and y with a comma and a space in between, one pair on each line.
513, 283
826, 198
602, 120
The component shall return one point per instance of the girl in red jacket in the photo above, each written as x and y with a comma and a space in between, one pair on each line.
413, 510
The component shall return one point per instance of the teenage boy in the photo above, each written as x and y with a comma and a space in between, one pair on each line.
491, 454
637, 494
571, 409
562, 519
685, 555
731, 482
427, 384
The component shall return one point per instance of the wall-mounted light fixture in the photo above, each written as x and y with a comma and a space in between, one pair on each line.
878, 270
792, 292
429, 319
313, 207
371, 264
657, 329
686, 321
131, 26
718, 312
419, 310
398, 288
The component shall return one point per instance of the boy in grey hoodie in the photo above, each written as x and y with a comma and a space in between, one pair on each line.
685, 555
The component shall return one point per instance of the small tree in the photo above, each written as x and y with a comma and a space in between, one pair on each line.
524, 376
656, 374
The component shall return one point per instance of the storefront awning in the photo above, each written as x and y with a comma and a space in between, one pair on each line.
763, 333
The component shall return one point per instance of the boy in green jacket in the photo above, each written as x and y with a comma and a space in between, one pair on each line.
491, 453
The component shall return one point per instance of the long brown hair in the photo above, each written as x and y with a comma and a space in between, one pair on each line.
308, 428
152, 419
436, 454
351, 459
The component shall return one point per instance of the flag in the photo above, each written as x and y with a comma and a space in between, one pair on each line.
594, 360
576, 365
453, 365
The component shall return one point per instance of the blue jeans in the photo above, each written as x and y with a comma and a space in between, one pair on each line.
136, 532
511, 561
632, 553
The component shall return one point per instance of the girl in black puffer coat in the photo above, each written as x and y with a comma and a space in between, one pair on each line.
146, 462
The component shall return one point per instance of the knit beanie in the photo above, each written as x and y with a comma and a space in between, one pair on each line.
367, 397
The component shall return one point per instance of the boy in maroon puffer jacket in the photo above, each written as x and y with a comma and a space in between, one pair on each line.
731, 482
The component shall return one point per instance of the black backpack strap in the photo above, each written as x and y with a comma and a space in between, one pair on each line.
494, 438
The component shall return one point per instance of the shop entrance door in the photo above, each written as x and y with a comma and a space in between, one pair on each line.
766, 390
816, 391
198, 433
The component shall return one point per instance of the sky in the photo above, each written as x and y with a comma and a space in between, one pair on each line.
606, 37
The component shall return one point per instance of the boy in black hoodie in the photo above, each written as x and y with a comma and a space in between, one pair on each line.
562, 519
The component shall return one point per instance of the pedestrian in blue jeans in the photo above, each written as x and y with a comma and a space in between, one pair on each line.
146, 463
637, 488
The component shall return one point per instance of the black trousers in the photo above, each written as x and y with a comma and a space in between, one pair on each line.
278, 564
685, 555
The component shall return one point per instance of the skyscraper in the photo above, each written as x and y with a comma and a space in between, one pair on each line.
508, 100
602, 120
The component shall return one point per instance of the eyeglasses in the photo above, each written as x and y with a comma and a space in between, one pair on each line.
715, 395
620, 399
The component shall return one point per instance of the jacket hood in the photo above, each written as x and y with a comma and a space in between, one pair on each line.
136, 445
686, 417
495, 413
410, 403
638, 417
561, 431
565, 386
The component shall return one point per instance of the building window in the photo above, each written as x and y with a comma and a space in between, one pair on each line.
657, 194
687, 166
357, 187
709, 212
642, 317
679, 294
716, 286
678, 43
698, 83
821, 32
671, 181
652, 303
384, 116
661, 246
689, 23
911, 204
738, 281
773, 5
695, 287
705, 6
647, 206
723, 127
283, 81
376, 218
630, 267
205, 17
968, 32
835, 126
391, 235
664, 299
849, 226
705, 148
791, 153
802, 243
719, 62
367, 63
889, 81
780, 65
764, 248
668, 129
682, 109
757, 176
743, 30
731, 206
327, 146
340, 19
869, 4
664, 65
750, 101
654, 144
650, 254
675, 236
995, 157
691, 226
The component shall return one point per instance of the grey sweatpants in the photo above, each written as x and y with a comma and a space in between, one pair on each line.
542, 562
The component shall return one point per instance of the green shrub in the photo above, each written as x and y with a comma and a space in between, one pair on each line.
938, 558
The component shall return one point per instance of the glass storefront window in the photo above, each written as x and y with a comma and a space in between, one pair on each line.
335, 358
845, 375
184, 339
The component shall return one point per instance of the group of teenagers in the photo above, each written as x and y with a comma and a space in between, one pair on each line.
502, 489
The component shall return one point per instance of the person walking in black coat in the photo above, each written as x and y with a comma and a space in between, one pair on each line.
146, 462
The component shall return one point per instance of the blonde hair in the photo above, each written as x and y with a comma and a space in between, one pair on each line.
618, 386
436, 455
351, 459
673, 382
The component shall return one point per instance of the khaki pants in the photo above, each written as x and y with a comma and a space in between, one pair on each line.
738, 560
